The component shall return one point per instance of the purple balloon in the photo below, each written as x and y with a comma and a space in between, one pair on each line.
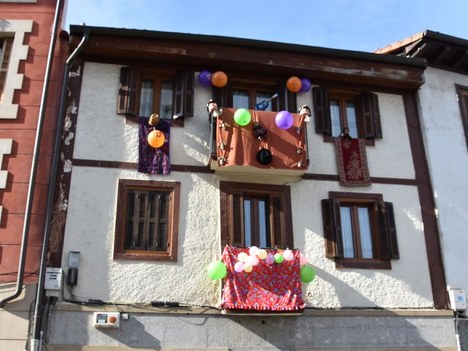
204, 78
284, 120
306, 85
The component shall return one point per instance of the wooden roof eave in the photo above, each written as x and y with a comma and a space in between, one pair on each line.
322, 65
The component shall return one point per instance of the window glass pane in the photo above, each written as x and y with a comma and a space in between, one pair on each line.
247, 223
165, 108
347, 231
262, 223
262, 96
365, 232
240, 99
335, 117
352, 120
146, 98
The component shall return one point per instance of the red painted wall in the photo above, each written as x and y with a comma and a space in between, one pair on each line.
23, 132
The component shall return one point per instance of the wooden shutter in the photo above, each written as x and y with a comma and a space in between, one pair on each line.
237, 221
184, 94
370, 121
287, 101
223, 96
126, 99
332, 228
463, 101
322, 111
392, 233
388, 245
281, 234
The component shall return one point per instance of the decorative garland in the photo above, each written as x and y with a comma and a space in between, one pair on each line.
246, 263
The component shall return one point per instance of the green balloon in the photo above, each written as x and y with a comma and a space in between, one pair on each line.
307, 274
279, 258
217, 270
242, 117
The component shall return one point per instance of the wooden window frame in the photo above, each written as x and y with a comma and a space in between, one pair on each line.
462, 94
128, 98
286, 100
280, 216
367, 112
253, 88
157, 77
343, 98
125, 186
384, 238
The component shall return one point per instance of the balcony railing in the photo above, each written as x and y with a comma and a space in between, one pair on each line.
263, 145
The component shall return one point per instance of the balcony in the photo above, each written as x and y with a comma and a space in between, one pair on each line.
265, 145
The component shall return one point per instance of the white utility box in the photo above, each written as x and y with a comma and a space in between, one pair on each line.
53, 281
457, 299
106, 319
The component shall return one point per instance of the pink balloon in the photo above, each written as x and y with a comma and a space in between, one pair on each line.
288, 255
302, 259
253, 251
253, 260
239, 267
270, 259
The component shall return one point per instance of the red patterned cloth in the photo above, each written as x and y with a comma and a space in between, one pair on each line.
275, 287
352, 162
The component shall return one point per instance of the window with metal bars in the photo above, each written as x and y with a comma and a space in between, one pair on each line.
147, 220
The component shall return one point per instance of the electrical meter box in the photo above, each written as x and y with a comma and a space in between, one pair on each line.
53, 281
106, 319
457, 299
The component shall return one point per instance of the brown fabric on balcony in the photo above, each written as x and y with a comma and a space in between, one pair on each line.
237, 145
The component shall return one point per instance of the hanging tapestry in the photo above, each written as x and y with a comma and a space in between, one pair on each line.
153, 160
352, 162
272, 287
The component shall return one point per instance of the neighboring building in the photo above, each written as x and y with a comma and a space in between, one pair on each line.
140, 225
443, 102
30, 82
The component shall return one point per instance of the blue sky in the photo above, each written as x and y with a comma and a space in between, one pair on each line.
362, 25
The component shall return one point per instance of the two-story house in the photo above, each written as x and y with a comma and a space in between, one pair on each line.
31, 70
204, 181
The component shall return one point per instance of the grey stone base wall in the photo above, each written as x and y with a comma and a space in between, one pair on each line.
326, 330
463, 333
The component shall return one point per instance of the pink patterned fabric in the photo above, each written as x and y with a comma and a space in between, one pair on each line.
275, 287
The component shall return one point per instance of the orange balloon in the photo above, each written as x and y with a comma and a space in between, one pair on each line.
219, 79
294, 84
156, 138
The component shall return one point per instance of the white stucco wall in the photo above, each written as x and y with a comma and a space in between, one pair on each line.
448, 160
102, 135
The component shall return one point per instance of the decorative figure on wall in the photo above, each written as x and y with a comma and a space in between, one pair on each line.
305, 113
345, 134
154, 119
213, 110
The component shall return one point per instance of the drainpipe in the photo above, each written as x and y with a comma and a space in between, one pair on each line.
38, 331
35, 162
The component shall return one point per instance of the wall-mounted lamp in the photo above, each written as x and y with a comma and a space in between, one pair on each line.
73, 264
